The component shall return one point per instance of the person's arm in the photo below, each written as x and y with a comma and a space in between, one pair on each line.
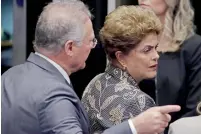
122, 128
193, 82
57, 113
153, 120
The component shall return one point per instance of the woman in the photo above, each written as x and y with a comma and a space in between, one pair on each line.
130, 38
179, 69
187, 125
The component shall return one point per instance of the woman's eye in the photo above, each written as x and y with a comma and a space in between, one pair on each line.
147, 49
156, 46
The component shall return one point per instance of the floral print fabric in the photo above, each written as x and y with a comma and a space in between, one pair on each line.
113, 97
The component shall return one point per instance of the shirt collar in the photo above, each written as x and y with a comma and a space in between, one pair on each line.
58, 67
120, 74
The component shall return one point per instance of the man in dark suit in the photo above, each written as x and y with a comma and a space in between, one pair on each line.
37, 96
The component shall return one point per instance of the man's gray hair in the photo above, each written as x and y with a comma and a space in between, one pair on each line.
60, 21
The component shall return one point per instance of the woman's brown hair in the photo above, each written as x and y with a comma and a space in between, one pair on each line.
125, 27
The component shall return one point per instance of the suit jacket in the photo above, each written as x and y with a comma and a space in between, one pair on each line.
36, 99
113, 97
188, 125
179, 78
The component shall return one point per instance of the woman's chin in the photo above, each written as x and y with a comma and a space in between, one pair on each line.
151, 75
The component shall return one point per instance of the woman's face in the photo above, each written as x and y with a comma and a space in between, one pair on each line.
141, 62
158, 6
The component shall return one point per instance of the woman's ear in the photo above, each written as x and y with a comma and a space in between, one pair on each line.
69, 47
121, 59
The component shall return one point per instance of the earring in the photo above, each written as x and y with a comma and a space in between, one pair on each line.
124, 67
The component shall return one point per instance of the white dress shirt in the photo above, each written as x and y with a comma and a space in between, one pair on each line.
132, 127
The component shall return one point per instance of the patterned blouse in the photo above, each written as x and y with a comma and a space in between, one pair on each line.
113, 97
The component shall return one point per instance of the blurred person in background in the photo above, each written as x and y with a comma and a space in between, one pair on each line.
178, 78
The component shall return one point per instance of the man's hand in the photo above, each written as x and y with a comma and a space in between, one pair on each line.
154, 120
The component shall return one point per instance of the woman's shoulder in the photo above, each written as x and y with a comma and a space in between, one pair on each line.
191, 48
95, 81
192, 43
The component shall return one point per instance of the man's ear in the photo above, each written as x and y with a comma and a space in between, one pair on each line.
69, 47
120, 58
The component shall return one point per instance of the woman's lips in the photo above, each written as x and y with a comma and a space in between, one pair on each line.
154, 67
144, 5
